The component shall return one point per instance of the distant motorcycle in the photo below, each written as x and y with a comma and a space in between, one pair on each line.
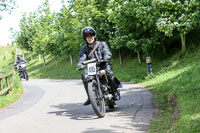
22, 71
99, 91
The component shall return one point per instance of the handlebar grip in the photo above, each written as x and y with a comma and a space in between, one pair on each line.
101, 61
79, 68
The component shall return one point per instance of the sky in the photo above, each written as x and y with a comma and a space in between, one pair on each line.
12, 20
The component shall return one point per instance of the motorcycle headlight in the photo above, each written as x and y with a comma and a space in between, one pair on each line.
102, 72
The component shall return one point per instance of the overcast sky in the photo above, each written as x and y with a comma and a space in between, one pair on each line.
12, 20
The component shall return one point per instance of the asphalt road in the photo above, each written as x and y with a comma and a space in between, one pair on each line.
55, 106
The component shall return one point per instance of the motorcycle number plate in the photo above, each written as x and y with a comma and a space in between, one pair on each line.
91, 68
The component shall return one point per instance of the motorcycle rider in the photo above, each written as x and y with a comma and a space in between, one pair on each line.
102, 52
19, 60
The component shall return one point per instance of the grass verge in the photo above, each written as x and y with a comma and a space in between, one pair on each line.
176, 89
6, 65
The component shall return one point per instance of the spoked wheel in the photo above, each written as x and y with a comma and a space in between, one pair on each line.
20, 75
26, 75
96, 99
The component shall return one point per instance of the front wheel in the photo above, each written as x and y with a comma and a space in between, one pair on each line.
96, 99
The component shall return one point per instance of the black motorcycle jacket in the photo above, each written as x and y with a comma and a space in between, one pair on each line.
102, 51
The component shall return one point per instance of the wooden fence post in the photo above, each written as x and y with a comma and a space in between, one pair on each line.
9, 85
1, 84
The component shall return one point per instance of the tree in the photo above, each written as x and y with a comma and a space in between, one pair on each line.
42, 24
52, 46
27, 32
70, 32
177, 17
7, 6
133, 29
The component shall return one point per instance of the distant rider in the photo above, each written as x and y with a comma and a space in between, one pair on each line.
19, 60
102, 52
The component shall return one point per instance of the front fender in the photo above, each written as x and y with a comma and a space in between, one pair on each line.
90, 78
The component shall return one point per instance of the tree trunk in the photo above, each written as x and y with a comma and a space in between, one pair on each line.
16, 50
164, 49
71, 60
39, 57
183, 42
44, 63
120, 57
139, 59
31, 55
56, 60
23, 53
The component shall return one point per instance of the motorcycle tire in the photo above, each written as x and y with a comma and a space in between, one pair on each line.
26, 76
20, 75
96, 99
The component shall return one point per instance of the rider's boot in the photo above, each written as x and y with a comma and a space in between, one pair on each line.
87, 102
115, 93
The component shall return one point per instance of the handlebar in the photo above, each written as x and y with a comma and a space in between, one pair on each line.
21, 63
94, 60
102, 61
91, 61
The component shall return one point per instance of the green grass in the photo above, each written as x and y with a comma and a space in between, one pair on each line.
13, 95
181, 79
128, 71
6, 65
36, 69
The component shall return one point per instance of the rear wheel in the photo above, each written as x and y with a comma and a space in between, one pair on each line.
20, 75
26, 75
96, 99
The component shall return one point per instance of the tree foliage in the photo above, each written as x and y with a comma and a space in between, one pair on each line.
143, 26
7, 6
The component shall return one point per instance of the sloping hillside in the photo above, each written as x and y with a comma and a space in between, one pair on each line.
174, 83
176, 88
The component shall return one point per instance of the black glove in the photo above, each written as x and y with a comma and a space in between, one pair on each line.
15, 67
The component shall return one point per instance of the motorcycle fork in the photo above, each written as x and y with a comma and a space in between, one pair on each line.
99, 87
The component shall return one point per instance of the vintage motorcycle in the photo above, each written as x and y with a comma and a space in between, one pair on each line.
99, 91
21, 67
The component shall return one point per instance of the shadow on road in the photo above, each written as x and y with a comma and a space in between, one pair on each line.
135, 106
75, 111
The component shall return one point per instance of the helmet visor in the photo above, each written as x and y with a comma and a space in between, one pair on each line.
89, 33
